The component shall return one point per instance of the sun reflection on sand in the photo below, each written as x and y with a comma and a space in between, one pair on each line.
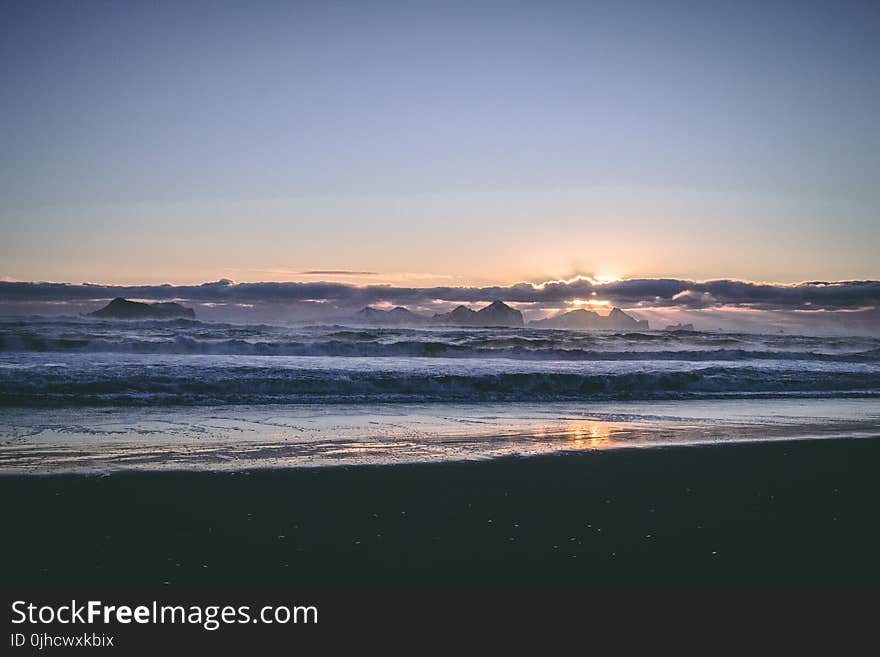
216, 438
580, 434
588, 433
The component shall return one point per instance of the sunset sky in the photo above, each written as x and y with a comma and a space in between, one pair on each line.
438, 143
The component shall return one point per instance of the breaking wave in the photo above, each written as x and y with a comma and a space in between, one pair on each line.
365, 347
77, 361
51, 386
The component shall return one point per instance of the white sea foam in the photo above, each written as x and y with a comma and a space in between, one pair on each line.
78, 361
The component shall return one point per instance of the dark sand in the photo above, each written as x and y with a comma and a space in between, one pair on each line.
767, 514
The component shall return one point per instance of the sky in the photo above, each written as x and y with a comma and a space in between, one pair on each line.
438, 143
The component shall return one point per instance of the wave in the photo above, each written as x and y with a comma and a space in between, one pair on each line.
362, 346
32, 387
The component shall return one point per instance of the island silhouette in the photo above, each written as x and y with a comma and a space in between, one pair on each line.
121, 308
499, 314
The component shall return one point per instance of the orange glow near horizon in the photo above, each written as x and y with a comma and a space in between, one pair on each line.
598, 279
588, 303
608, 278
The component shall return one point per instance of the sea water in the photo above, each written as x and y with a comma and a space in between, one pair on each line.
83, 394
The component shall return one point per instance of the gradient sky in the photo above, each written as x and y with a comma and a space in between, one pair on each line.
438, 143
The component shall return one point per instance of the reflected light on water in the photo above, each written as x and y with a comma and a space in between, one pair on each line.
577, 434
585, 433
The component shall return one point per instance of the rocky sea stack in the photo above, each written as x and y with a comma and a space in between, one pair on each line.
589, 320
124, 309
496, 314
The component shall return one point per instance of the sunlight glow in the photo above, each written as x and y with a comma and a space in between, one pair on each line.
588, 433
580, 434
598, 279
580, 303
606, 278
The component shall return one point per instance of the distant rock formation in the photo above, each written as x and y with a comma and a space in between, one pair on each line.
398, 316
576, 319
499, 314
123, 309
588, 320
617, 319
460, 316
679, 327
496, 313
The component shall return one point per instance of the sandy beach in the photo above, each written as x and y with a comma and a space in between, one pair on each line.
788, 513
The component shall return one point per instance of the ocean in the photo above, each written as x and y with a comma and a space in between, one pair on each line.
80, 393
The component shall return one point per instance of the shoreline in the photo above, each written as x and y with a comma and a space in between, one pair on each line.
783, 513
103, 441
873, 434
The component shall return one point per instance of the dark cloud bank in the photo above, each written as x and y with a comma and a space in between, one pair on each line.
632, 293
815, 306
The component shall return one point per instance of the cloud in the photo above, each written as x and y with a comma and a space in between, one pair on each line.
316, 272
337, 272
348, 273
631, 293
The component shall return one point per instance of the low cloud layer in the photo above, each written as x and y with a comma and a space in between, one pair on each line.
632, 293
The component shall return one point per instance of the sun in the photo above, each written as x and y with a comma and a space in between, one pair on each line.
596, 279
606, 278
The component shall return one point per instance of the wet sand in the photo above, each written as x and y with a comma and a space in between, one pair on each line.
237, 438
791, 513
